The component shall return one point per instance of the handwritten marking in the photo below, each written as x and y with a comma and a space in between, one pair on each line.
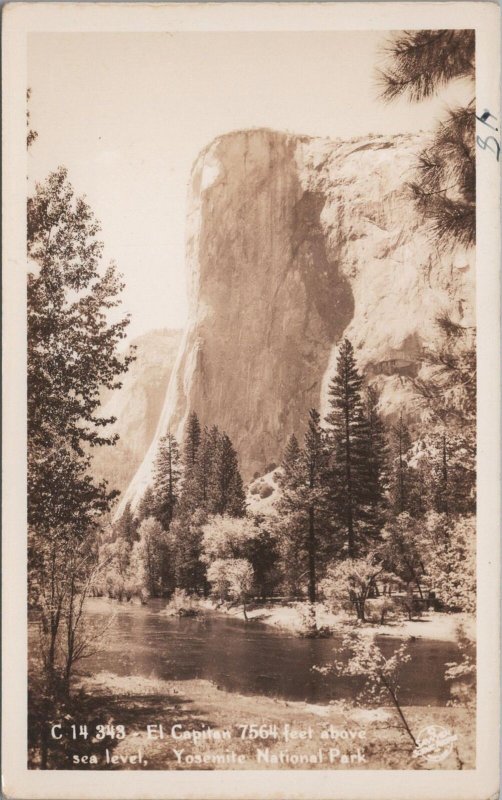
490, 142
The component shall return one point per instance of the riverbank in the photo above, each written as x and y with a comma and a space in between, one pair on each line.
293, 618
207, 724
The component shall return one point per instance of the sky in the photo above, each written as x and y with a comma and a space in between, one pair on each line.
128, 113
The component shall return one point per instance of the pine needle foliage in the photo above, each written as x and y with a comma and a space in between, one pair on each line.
420, 64
424, 61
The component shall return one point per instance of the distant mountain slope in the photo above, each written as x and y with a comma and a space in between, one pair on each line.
137, 406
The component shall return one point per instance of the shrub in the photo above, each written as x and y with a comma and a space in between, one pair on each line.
266, 490
352, 581
183, 604
379, 608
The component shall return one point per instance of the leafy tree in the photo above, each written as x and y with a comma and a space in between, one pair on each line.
380, 673
137, 578
153, 552
451, 560
232, 578
166, 480
252, 539
421, 63
227, 537
353, 581
263, 553
185, 537
403, 549
72, 356
348, 438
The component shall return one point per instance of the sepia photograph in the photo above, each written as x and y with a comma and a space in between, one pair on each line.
251, 404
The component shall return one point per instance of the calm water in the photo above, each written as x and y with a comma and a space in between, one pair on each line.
251, 658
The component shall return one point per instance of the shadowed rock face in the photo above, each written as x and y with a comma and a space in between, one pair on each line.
292, 243
268, 299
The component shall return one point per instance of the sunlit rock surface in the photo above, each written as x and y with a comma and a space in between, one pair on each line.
293, 243
137, 407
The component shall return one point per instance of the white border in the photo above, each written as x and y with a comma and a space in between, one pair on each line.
22, 18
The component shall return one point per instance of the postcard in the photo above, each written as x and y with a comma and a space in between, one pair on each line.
251, 401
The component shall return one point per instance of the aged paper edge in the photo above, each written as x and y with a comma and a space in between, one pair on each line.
21, 19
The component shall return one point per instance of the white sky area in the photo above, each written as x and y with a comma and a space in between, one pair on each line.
127, 114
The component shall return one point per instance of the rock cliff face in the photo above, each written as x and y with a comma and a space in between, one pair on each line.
137, 407
293, 243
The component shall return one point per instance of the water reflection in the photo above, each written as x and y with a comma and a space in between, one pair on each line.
250, 658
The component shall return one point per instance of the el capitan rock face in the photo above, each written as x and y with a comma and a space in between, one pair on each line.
293, 243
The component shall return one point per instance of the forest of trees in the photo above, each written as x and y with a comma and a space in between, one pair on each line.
362, 503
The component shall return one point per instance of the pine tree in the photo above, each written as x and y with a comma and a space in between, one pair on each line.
192, 442
401, 477
226, 487
145, 506
290, 461
315, 471
185, 538
421, 63
166, 480
378, 455
127, 526
204, 467
348, 437
303, 499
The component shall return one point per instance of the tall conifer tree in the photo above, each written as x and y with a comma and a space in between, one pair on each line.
290, 461
401, 477
226, 488
303, 500
192, 441
378, 455
167, 474
348, 438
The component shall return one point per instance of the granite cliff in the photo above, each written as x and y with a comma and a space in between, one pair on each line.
292, 243
136, 406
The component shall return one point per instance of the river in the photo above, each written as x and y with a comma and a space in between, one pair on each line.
251, 658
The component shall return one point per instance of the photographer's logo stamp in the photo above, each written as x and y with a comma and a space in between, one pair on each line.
434, 743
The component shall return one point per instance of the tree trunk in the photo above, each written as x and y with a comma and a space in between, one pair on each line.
312, 557
398, 707
445, 477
